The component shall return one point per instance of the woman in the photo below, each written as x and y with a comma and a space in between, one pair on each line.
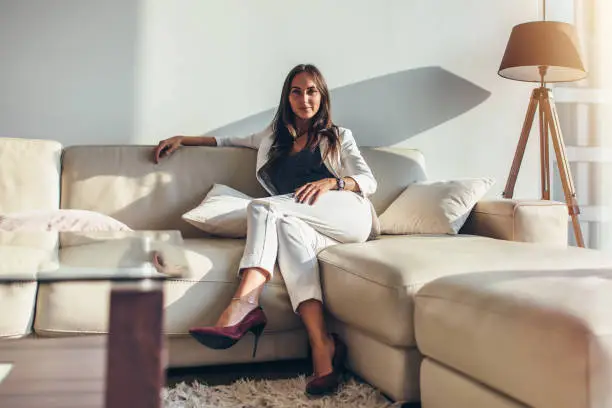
319, 183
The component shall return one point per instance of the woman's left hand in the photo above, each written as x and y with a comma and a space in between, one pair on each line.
310, 192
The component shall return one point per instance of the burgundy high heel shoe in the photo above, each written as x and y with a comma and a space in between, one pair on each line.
329, 383
220, 338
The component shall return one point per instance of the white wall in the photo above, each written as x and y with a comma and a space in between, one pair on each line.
67, 69
199, 65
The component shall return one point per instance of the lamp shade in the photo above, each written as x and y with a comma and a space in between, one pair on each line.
550, 44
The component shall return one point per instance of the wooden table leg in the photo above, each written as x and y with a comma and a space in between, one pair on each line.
134, 367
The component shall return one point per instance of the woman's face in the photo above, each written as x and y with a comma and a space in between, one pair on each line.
304, 97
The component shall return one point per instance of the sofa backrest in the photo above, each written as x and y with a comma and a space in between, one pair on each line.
394, 169
29, 175
123, 181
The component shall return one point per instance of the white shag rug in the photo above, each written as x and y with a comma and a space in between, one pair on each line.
247, 393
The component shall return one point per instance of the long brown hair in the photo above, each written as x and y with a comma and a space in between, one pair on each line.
321, 125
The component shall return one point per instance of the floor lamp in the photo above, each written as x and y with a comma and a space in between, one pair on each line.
543, 52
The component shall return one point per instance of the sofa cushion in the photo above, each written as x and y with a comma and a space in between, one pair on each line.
17, 299
433, 207
123, 182
459, 391
223, 212
394, 169
29, 175
542, 337
541, 221
371, 285
197, 299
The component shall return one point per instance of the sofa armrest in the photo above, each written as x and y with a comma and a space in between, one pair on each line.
538, 221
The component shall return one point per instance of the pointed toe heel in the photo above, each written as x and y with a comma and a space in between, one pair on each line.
220, 338
329, 384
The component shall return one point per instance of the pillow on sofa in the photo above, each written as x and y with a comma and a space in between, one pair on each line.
223, 212
60, 220
439, 207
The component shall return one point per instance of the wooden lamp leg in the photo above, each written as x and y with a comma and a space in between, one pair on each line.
544, 151
550, 114
549, 121
522, 144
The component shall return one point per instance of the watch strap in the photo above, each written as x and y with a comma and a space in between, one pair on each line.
340, 183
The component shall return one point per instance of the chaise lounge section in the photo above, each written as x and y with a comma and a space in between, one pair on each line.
518, 338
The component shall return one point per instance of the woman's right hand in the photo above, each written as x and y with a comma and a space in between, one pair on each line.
166, 147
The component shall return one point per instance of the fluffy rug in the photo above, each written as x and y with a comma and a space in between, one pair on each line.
271, 394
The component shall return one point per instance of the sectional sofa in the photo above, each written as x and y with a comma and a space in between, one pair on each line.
369, 288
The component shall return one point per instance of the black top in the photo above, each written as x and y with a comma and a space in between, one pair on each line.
294, 170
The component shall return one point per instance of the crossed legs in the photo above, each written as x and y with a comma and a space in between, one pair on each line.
246, 298
283, 231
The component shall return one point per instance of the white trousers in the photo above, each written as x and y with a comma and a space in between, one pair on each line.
290, 233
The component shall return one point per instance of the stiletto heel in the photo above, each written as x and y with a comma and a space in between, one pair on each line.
257, 331
225, 337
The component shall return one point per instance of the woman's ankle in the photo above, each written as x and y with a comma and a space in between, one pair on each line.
324, 340
322, 359
235, 312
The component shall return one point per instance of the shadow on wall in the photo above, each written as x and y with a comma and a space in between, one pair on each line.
388, 109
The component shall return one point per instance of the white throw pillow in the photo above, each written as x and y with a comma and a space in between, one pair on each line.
223, 212
60, 220
438, 207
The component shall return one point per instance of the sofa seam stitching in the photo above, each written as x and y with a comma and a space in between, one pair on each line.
371, 280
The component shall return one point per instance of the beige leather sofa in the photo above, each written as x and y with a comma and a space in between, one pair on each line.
369, 288
538, 338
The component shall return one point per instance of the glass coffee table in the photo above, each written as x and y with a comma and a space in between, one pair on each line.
125, 368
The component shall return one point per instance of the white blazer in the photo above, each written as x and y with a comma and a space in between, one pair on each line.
348, 163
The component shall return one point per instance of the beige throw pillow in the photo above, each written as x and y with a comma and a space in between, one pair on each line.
439, 207
223, 212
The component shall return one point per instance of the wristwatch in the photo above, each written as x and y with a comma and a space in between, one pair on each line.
340, 183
